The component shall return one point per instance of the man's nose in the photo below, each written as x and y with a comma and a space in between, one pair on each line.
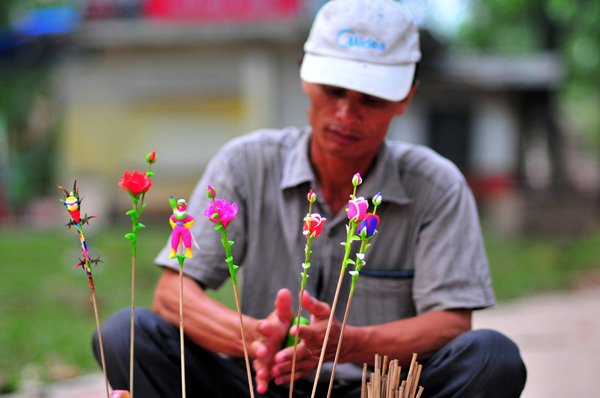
347, 109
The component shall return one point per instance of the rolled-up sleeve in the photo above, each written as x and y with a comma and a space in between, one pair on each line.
451, 267
208, 263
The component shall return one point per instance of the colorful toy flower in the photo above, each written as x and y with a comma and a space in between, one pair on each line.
312, 228
136, 183
313, 225
368, 226
72, 202
220, 210
357, 209
366, 230
221, 213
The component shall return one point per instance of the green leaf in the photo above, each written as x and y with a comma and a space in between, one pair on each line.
149, 174
231, 243
131, 212
140, 225
144, 206
130, 236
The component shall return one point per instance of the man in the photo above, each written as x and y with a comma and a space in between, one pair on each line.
426, 272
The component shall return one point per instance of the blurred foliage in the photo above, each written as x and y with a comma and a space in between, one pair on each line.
27, 112
571, 28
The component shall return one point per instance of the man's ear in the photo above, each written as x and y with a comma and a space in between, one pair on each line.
304, 86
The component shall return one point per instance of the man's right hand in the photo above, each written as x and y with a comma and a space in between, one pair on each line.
274, 330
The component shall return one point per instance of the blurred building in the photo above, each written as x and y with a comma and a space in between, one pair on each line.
182, 77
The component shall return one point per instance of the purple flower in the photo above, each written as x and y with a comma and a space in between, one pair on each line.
368, 226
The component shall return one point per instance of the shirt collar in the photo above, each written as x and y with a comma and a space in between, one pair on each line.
384, 178
297, 169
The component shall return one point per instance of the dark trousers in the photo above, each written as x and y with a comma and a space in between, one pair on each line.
479, 363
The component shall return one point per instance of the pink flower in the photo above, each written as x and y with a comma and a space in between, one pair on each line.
226, 211
313, 225
357, 209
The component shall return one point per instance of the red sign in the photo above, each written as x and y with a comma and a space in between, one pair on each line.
221, 10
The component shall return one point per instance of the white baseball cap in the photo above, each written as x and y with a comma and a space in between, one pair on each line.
370, 46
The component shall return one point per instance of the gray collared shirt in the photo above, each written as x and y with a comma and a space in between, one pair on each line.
427, 255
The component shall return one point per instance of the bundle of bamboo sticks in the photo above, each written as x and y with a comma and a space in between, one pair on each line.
384, 381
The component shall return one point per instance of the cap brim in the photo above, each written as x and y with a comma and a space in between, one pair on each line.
390, 82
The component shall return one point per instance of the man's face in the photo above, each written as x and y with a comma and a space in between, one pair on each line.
348, 123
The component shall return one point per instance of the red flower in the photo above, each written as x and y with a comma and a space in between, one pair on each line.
227, 211
135, 183
313, 225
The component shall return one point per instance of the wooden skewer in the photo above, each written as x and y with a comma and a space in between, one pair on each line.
363, 386
402, 388
385, 382
409, 377
420, 392
416, 377
100, 343
181, 333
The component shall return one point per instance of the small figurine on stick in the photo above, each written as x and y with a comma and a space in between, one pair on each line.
181, 222
181, 248
72, 202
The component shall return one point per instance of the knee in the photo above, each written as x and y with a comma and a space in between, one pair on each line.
116, 329
497, 355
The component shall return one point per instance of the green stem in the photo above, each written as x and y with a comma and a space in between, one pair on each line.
347, 245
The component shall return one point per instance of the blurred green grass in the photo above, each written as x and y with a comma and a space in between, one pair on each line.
46, 315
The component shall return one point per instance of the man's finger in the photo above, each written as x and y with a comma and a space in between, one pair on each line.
283, 306
319, 309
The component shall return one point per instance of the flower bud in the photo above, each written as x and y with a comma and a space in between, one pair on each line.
210, 192
377, 199
151, 157
312, 196
356, 179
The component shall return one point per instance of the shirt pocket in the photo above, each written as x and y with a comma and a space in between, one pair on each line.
382, 296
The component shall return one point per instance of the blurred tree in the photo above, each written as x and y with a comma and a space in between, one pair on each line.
27, 120
569, 27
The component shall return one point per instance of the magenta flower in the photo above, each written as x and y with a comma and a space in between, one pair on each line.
226, 212
313, 225
357, 209
368, 226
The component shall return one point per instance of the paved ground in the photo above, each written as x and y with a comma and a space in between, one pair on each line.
558, 333
559, 337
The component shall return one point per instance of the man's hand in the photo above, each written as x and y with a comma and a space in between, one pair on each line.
274, 330
309, 349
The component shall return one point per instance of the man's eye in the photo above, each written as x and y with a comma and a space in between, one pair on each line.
372, 101
335, 91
